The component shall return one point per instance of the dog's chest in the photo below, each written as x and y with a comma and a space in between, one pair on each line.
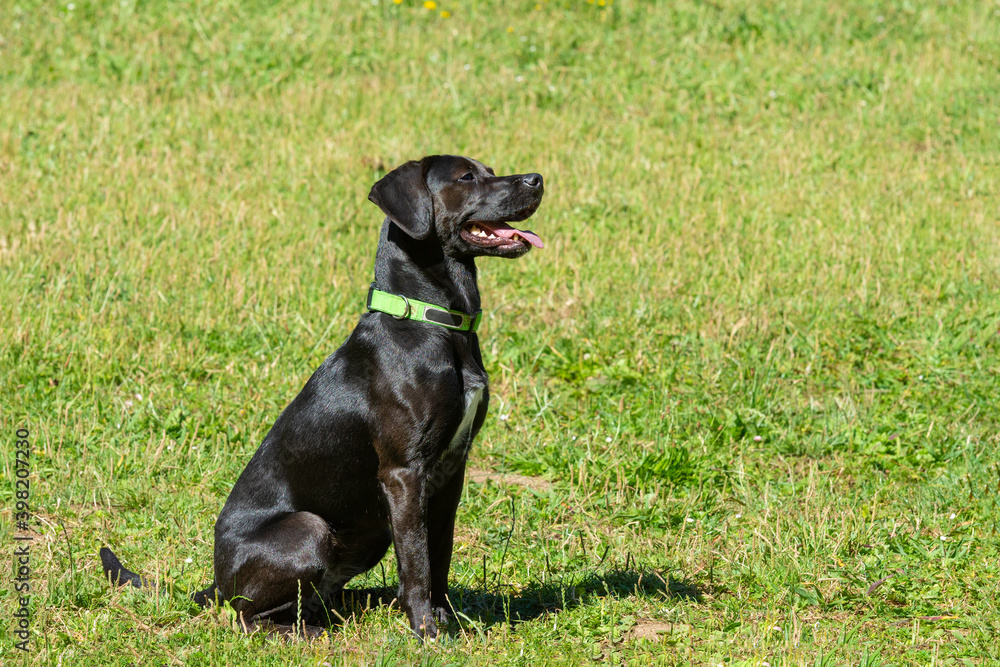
460, 441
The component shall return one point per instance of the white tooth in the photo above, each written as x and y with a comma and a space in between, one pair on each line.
474, 229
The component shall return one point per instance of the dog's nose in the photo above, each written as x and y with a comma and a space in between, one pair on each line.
533, 180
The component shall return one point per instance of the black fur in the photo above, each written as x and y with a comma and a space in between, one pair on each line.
373, 449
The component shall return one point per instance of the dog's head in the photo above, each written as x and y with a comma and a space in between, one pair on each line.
462, 203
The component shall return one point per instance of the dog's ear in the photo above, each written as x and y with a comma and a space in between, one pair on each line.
402, 195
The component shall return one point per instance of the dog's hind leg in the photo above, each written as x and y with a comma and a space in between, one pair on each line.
278, 572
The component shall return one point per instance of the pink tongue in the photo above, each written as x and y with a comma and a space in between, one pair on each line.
508, 232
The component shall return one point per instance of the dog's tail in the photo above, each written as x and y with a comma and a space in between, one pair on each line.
119, 575
206, 597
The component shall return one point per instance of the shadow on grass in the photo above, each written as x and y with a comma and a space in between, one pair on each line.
492, 607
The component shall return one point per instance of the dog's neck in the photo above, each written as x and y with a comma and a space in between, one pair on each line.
421, 270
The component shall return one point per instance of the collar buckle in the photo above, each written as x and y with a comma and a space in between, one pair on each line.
407, 309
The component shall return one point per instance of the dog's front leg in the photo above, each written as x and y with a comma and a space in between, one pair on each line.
404, 491
441, 509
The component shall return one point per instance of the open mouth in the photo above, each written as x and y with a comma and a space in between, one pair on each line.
498, 234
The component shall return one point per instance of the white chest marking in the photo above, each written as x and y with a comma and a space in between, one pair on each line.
473, 398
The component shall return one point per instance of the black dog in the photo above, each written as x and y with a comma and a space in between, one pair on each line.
373, 449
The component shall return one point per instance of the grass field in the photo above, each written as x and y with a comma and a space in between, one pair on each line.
744, 402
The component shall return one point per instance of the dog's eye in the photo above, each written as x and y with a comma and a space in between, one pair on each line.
468, 177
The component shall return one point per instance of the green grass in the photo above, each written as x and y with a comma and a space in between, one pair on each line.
753, 374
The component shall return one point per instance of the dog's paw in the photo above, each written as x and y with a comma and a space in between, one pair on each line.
442, 615
426, 631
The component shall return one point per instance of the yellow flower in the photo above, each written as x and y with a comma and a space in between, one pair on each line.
398, 2
538, 8
430, 4
600, 3
510, 28
445, 14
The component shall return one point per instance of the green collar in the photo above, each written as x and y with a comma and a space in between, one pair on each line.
410, 309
